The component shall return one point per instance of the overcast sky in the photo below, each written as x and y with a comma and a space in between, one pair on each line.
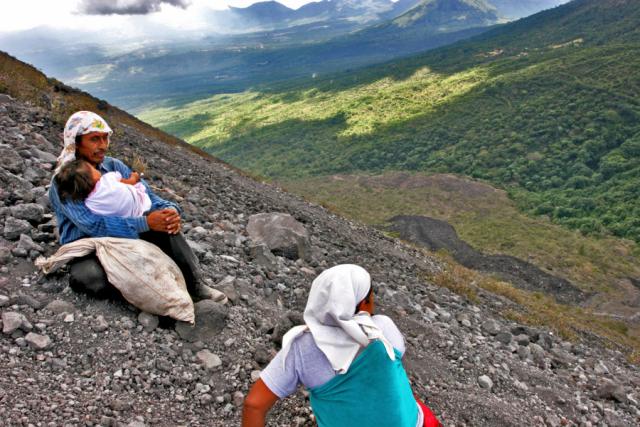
16, 15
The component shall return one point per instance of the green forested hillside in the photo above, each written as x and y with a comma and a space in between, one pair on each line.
547, 107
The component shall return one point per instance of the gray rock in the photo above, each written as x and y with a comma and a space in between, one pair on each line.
262, 355
37, 341
100, 324
504, 338
464, 319
12, 321
544, 340
209, 360
5, 256
197, 233
553, 420
261, 255
600, 368
519, 330
42, 142
28, 300
522, 339
227, 286
14, 227
34, 175
524, 353
148, 321
238, 398
560, 358
211, 318
612, 391
19, 252
28, 211
4, 300
485, 382
198, 249
48, 227
282, 234
10, 159
491, 327
444, 315
27, 244
43, 156
283, 324
538, 354
120, 405
59, 306
108, 421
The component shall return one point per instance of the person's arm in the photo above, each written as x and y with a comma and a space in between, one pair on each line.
133, 179
157, 202
257, 404
111, 226
94, 225
102, 226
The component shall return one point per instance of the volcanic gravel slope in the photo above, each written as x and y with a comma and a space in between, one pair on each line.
68, 359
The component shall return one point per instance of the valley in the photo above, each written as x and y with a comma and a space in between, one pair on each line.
541, 112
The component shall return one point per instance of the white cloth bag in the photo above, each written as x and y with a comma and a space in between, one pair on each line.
144, 275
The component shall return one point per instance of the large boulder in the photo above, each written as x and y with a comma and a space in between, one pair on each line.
211, 318
282, 234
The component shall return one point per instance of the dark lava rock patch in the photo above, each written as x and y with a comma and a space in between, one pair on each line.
435, 234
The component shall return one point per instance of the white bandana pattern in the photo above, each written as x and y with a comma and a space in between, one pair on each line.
80, 123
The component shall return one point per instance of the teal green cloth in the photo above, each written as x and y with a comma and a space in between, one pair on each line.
375, 392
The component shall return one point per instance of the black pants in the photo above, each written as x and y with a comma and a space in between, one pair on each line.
87, 274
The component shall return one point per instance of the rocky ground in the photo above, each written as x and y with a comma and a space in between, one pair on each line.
68, 359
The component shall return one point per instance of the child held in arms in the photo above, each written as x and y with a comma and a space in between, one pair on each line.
108, 194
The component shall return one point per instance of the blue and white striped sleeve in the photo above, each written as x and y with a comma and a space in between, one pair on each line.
102, 226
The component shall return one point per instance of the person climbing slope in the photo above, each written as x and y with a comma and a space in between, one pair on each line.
347, 358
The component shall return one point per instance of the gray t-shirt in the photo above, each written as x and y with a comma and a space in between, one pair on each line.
306, 364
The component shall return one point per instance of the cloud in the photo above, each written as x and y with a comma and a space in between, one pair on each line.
127, 7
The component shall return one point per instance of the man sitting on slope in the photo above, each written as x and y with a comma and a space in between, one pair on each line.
87, 137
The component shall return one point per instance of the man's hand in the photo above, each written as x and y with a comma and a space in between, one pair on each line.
165, 220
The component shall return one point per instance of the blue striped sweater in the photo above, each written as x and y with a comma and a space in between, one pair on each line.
76, 221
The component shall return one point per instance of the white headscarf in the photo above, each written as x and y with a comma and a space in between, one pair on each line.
80, 123
329, 316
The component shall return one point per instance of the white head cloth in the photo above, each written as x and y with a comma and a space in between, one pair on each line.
329, 316
80, 123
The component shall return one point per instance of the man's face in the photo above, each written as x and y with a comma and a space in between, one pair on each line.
93, 147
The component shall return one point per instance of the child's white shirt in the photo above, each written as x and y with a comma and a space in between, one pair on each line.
110, 197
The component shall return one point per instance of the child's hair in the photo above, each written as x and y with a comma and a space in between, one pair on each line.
74, 180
